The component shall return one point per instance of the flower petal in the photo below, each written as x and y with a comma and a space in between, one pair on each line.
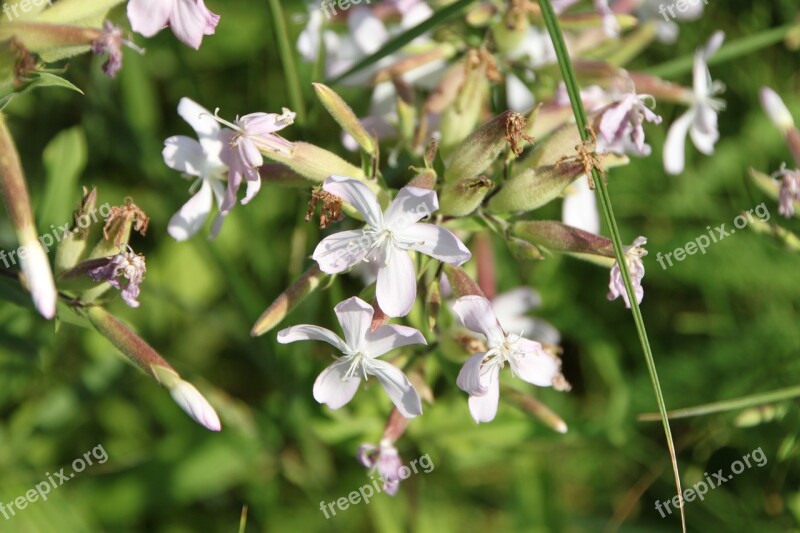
476, 313
397, 284
535, 365
36, 267
580, 208
190, 20
367, 30
149, 17
391, 336
184, 154
403, 395
469, 377
674, 146
409, 206
437, 242
195, 405
358, 195
515, 302
190, 218
308, 332
198, 118
333, 388
484, 408
355, 317
341, 251
704, 130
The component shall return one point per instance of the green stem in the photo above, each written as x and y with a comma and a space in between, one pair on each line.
286, 52
728, 405
567, 71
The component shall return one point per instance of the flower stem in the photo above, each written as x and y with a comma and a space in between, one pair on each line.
287, 58
573, 89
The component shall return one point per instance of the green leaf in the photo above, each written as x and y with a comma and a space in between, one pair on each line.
64, 161
40, 79
404, 38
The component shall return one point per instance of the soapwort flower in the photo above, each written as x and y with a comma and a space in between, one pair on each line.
190, 20
700, 120
128, 265
360, 349
789, 191
386, 239
633, 258
110, 42
480, 375
621, 124
386, 460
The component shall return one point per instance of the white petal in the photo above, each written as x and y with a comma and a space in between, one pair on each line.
515, 302
518, 96
403, 395
358, 195
333, 388
148, 17
674, 146
391, 336
198, 118
476, 313
580, 208
484, 408
36, 267
409, 206
367, 30
355, 317
253, 186
469, 377
437, 242
340, 251
195, 405
184, 154
704, 131
535, 366
307, 332
397, 284
775, 109
190, 20
190, 218
309, 39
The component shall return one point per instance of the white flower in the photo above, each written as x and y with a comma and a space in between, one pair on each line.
360, 348
700, 120
387, 238
201, 159
480, 375
580, 207
512, 310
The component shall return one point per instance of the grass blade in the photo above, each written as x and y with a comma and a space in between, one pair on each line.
568, 73
286, 52
744, 402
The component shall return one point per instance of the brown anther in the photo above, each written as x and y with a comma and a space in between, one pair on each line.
482, 58
330, 208
515, 132
588, 157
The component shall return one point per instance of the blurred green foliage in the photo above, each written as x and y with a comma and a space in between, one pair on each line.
722, 325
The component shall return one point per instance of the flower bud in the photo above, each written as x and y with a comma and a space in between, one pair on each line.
286, 302
478, 151
316, 163
342, 114
195, 405
73, 244
462, 197
535, 187
433, 302
426, 179
776, 110
523, 250
460, 282
559, 237
511, 29
540, 411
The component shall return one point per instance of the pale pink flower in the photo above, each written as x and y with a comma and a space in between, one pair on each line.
360, 349
480, 375
110, 42
633, 258
190, 20
387, 238
512, 308
127, 266
789, 191
621, 124
700, 120
386, 460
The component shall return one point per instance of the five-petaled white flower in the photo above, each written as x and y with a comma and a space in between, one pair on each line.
700, 120
633, 259
386, 239
480, 375
360, 348
202, 159
189, 19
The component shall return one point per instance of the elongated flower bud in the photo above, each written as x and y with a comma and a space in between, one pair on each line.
433, 302
535, 187
478, 151
460, 282
33, 259
462, 197
288, 300
146, 358
426, 179
342, 114
559, 237
315, 163
540, 411
780, 116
